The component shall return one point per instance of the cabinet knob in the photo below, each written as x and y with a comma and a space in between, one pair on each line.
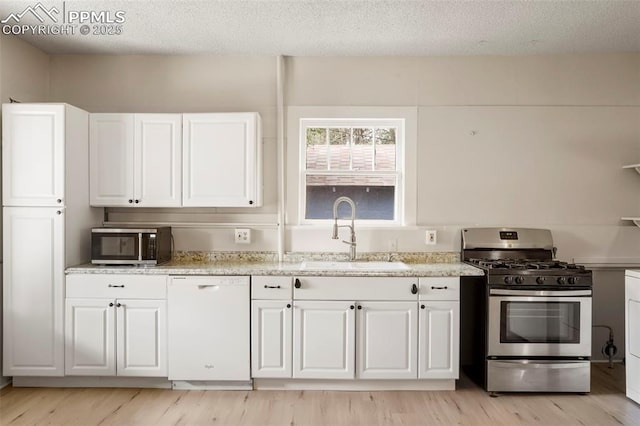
250, 201
359, 307
111, 304
59, 212
288, 305
414, 289
130, 201
352, 307
422, 306
297, 284
59, 200
118, 304
137, 201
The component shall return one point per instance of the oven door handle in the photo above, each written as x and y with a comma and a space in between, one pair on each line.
551, 365
502, 292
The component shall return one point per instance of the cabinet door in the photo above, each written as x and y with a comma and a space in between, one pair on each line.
271, 335
111, 159
32, 155
33, 304
221, 160
158, 160
141, 337
387, 340
90, 337
632, 296
439, 340
324, 340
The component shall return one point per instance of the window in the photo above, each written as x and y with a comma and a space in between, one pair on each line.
358, 158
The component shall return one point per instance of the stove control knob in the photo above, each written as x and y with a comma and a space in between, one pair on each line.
561, 280
540, 280
573, 280
519, 280
508, 280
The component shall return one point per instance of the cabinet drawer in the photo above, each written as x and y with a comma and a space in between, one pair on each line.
440, 288
115, 286
355, 288
271, 287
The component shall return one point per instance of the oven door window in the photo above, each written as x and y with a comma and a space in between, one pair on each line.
539, 322
109, 246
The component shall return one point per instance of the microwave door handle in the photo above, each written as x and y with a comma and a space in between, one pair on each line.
140, 246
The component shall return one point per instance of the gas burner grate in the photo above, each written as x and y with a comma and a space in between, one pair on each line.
525, 264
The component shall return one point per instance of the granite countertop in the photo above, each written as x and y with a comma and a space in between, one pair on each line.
199, 265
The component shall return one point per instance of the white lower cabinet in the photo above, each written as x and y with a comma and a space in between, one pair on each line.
365, 328
119, 332
387, 340
439, 335
324, 340
439, 340
632, 327
33, 285
123, 337
90, 337
271, 347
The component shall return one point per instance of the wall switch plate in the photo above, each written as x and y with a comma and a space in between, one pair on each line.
431, 237
243, 236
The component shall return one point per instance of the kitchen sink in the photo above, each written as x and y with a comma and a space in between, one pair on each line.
321, 265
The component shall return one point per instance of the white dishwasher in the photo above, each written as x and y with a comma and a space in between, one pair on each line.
208, 320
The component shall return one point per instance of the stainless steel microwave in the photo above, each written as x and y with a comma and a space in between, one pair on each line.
130, 246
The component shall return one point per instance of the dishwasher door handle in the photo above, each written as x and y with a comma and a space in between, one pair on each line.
208, 286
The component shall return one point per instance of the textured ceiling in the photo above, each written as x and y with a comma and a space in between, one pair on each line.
354, 28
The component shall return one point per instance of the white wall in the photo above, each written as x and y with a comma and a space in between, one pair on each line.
108, 83
24, 76
551, 135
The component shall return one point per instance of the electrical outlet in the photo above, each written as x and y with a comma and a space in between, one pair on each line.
243, 236
431, 237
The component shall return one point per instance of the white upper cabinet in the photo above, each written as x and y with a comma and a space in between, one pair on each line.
222, 160
33, 155
136, 160
111, 159
158, 160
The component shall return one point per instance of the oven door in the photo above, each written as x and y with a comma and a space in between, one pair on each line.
534, 323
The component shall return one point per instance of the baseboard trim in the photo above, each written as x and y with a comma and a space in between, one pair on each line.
353, 385
92, 382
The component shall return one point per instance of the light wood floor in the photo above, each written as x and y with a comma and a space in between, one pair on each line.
469, 405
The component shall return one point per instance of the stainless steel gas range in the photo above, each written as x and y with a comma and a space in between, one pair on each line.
526, 324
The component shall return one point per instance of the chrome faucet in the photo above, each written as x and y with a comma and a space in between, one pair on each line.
352, 243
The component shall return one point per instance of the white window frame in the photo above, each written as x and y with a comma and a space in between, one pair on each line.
403, 118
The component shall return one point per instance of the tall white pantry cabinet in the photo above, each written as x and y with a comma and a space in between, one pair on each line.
46, 224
